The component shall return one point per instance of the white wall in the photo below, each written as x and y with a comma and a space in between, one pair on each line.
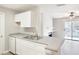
51, 11
35, 22
44, 13
10, 26
47, 17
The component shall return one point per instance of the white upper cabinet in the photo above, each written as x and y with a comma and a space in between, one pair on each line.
17, 18
24, 19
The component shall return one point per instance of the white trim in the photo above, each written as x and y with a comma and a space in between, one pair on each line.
4, 52
2, 32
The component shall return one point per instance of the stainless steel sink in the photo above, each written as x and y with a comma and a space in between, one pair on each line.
27, 37
32, 37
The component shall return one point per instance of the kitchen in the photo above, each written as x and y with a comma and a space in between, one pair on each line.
24, 32
41, 25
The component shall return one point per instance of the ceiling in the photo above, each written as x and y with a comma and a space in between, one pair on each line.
58, 7
18, 7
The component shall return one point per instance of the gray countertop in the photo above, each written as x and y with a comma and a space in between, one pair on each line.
40, 40
52, 43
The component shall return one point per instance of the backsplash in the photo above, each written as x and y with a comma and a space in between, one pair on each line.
28, 30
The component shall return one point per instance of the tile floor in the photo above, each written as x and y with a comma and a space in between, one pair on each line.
70, 48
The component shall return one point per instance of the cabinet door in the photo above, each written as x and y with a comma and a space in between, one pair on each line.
18, 46
31, 48
26, 19
24, 47
18, 18
12, 44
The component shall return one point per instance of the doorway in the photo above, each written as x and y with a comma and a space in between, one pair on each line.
72, 30
2, 32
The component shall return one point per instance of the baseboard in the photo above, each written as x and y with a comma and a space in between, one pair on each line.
4, 52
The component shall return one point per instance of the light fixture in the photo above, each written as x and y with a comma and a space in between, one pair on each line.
72, 15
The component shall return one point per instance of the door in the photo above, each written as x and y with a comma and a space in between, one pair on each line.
75, 30
2, 32
12, 44
72, 30
68, 30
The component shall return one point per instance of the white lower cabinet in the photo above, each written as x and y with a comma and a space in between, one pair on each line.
12, 44
24, 47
